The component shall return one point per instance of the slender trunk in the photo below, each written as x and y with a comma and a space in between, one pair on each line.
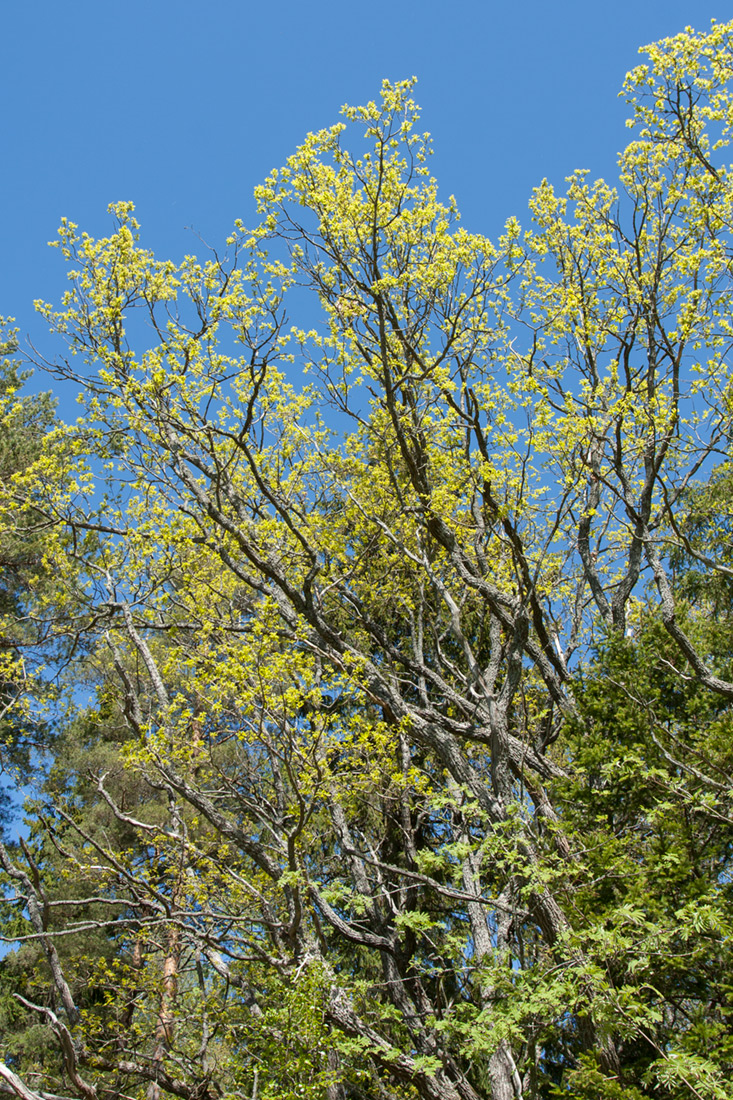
503, 1076
505, 1083
335, 1088
165, 1024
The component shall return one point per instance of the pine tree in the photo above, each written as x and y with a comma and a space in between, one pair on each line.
24, 422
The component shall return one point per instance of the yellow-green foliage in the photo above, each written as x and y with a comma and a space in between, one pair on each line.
408, 756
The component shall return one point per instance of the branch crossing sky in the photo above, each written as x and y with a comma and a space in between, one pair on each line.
184, 106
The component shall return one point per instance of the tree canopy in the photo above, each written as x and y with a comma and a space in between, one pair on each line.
397, 561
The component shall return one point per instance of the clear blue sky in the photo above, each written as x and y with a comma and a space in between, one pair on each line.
184, 106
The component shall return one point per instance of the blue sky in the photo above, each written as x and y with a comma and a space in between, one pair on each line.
183, 107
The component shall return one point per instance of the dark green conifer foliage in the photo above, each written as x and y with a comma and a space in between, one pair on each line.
25, 419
